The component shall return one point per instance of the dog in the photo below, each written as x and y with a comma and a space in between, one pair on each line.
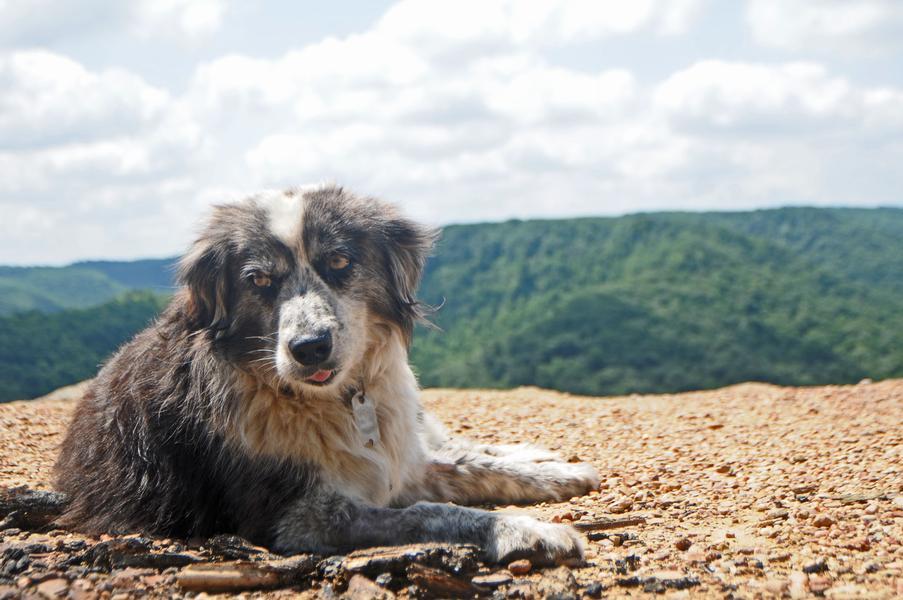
273, 399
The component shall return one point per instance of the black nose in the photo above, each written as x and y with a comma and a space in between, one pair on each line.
311, 349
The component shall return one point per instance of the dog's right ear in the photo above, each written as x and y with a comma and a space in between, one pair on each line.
204, 271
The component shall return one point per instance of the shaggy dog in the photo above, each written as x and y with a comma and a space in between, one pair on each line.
273, 399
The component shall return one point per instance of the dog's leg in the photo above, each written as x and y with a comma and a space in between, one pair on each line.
327, 522
469, 473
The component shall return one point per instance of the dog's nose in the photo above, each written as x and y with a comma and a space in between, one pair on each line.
312, 349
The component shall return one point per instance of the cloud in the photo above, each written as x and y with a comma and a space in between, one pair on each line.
40, 22
83, 154
460, 112
758, 98
827, 26
484, 24
49, 99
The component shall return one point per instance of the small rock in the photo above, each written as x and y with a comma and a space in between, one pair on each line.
819, 566
683, 544
520, 567
823, 521
53, 588
361, 588
803, 488
898, 501
861, 544
799, 585
819, 583
777, 586
780, 557
492, 580
620, 506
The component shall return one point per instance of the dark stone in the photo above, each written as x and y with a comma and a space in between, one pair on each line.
819, 566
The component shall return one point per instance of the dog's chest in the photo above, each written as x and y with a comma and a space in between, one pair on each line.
365, 447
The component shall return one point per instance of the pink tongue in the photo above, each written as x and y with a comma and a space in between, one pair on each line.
320, 376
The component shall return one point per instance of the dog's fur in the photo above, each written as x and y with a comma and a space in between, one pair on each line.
204, 423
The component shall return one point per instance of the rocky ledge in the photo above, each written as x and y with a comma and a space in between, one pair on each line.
745, 492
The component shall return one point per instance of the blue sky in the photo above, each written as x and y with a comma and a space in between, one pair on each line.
121, 122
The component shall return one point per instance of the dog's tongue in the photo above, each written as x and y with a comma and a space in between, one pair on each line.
320, 376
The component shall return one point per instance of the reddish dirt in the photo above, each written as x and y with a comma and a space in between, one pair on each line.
748, 491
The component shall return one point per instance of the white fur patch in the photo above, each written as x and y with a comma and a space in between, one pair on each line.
286, 213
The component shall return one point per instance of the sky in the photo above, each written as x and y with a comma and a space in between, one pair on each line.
121, 123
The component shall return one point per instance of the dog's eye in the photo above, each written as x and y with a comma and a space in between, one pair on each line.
337, 262
262, 280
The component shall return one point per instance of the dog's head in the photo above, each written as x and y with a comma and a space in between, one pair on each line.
294, 286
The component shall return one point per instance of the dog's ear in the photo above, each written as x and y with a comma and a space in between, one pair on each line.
204, 271
408, 246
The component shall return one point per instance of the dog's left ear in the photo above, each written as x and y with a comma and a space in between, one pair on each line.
409, 245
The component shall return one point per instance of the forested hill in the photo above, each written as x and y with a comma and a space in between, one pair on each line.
668, 302
649, 302
80, 285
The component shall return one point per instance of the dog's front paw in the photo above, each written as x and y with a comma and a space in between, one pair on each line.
516, 536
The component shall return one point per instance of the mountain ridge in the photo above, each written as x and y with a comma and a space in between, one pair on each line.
651, 302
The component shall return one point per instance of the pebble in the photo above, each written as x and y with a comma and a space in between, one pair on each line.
819, 566
620, 506
683, 544
823, 521
53, 588
777, 586
819, 583
492, 580
807, 488
799, 585
777, 513
520, 567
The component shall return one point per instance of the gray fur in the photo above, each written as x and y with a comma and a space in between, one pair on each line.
205, 423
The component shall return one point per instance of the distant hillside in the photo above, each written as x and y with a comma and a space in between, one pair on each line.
643, 303
80, 285
667, 302
41, 352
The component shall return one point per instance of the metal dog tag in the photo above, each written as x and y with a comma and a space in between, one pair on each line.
365, 419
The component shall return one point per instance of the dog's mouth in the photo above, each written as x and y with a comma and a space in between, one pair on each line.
321, 377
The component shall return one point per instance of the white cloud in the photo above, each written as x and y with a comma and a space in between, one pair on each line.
45, 21
82, 154
484, 24
191, 18
757, 97
49, 99
458, 111
827, 26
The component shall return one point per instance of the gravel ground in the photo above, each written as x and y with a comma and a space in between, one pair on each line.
748, 491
